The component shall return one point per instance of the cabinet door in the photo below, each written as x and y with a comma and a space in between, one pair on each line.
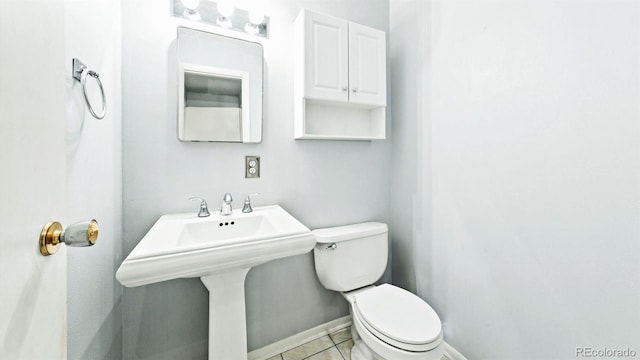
367, 66
326, 55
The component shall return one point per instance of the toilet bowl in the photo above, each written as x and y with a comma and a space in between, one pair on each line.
388, 322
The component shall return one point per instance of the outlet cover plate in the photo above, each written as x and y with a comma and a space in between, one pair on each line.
251, 167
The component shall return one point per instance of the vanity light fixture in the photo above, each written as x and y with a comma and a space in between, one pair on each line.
191, 9
225, 22
256, 17
225, 10
223, 14
253, 25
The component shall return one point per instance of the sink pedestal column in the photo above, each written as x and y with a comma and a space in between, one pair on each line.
227, 315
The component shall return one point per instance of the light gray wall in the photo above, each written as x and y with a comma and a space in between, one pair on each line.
536, 175
94, 178
411, 151
322, 183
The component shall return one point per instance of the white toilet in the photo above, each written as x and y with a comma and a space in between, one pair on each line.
388, 322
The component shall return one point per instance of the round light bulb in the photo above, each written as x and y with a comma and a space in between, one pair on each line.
191, 4
225, 9
256, 17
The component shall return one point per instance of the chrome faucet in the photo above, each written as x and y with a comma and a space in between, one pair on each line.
226, 209
247, 203
204, 211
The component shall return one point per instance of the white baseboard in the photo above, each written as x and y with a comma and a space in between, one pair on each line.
452, 353
296, 340
289, 343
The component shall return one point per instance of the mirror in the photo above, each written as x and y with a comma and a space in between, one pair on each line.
219, 88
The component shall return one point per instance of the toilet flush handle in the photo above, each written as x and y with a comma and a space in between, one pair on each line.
333, 246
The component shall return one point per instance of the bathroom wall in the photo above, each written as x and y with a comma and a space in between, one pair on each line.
94, 178
535, 203
411, 151
322, 183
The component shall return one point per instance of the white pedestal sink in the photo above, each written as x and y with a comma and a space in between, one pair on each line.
220, 250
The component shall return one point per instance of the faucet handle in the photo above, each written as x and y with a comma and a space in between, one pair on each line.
247, 203
195, 198
204, 211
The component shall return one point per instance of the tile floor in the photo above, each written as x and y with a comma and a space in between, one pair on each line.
335, 346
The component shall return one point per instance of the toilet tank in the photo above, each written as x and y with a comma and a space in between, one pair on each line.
352, 256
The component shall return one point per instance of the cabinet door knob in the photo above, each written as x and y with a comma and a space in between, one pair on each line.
355, 90
345, 88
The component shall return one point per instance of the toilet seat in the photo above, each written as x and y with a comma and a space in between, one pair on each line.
399, 318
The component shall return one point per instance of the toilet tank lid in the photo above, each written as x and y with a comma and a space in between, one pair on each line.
349, 232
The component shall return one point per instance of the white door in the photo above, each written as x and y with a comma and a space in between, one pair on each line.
33, 288
326, 55
367, 66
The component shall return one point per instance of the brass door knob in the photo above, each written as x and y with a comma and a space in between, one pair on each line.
80, 234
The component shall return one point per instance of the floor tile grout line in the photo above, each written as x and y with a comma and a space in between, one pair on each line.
340, 351
335, 345
334, 342
341, 354
316, 352
322, 351
331, 347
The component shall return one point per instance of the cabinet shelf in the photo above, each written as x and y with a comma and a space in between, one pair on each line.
326, 120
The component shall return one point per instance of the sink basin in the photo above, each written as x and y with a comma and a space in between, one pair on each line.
184, 245
220, 250
227, 231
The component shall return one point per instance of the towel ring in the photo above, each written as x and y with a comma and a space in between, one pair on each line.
80, 73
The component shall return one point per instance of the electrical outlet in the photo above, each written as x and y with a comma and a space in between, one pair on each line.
252, 167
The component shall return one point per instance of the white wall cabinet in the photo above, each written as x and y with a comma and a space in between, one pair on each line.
326, 68
367, 66
340, 79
